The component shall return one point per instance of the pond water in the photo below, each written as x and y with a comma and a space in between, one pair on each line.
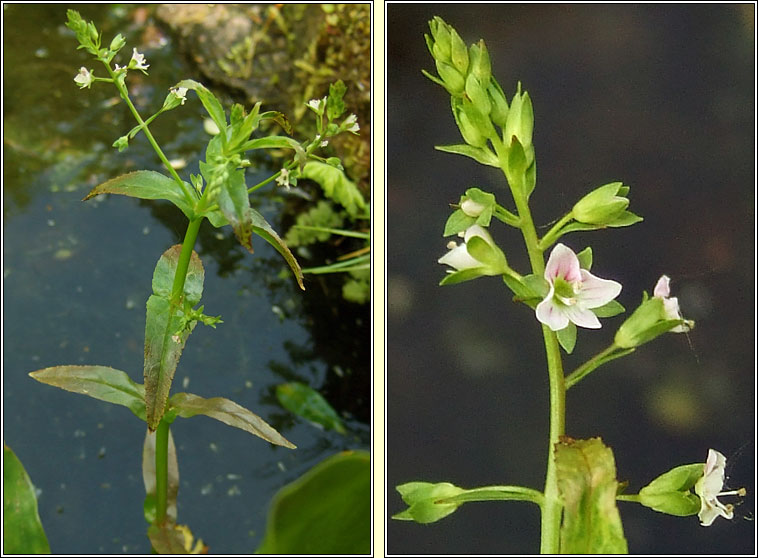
76, 278
659, 97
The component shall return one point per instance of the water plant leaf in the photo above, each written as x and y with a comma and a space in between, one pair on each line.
188, 405
306, 402
22, 529
165, 331
146, 185
209, 100
325, 511
265, 231
101, 382
233, 201
586, 473
148, 477
336, 186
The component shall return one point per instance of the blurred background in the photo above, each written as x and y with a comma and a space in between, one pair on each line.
660, 97
76, 275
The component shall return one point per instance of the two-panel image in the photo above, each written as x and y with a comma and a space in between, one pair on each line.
288, 279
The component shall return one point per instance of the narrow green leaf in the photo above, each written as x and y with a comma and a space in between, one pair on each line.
336, 186
22, 529
209, 100
165, 335
326, 511
270, 142
306, 402
188, 405
480, 154
586, 474
265, 231
100, 382
146, 185
148, 477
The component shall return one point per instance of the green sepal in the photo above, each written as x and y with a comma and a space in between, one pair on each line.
422, 500
463, 275
567, 338
670, 492
585, 258
481, 155
609, 309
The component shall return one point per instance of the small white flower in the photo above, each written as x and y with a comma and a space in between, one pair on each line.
324, 143
472, 208
709, 489
670, 304
317, 105
573, 292
138, 61
459, 258
284, 178
351, 124
84, 78
180, 92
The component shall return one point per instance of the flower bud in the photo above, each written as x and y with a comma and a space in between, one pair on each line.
520, 121
478, 95
459, 52
117, 43
453, 80
602, 205
499, 112
481, 66
469, 130
442, 47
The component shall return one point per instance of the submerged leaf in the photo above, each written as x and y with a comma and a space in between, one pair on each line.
586, 474
100, 382
188, 405
22, 528
306, 402
325, 511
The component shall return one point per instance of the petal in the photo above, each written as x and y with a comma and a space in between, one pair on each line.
563, 263
595, 292
582, 317
459, 258
550, 314
478, 230
662, 289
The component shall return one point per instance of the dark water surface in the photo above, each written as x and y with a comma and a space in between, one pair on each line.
76, 278
660, 97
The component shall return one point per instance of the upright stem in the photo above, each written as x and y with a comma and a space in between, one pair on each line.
161, 471
551, 507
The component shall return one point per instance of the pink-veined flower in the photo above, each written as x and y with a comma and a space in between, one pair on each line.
670, 304
573, 292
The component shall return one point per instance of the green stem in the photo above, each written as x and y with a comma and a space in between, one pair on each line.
554, 233
161, 471
177, 289
628, 497
602, 357
552, 506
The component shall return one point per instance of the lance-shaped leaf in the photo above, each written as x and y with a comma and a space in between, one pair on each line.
233, 201
264, 230
22, 528
306, 402
146, 185
188, 405
586, 474
165, 333
100, 382
148, 477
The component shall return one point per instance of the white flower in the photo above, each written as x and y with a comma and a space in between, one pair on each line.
84, 78
138, 61
709, 489
284, 178
472, 208
573, 292
180, 92
670, 304
351, 124
317, 105
459, 257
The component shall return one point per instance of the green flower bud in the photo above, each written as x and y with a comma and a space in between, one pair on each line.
422, 499
520, 121
478, 119
453, 80
478, 95
469, 131
670, 492
442, 47
117, 43
480, 62
602, 205
499, 112
647, 322
459, 52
